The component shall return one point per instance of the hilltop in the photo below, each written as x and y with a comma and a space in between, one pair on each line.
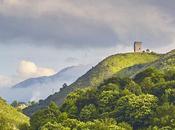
113, 65
10, 118
104, 70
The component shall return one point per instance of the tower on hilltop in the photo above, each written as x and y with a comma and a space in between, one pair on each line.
137, 46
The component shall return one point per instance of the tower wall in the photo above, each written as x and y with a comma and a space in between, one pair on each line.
137, 46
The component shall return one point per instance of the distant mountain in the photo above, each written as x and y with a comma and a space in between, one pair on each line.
109, 67
10, 118
66, 75
42, 87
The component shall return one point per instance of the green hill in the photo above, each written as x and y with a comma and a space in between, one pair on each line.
104, 70
144, 102
112, 65
164, 63
10, 118
124, 91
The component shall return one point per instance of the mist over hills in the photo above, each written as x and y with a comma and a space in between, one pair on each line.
66, 75
41, 87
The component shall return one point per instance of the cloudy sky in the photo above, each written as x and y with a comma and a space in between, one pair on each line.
40, 37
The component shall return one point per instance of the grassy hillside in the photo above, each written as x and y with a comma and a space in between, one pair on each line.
104, 70
112, 65
165, 63
10, 118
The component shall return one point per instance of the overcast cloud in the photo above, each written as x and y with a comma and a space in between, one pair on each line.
87, 23
61, 33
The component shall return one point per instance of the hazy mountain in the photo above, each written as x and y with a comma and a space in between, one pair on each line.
66, 75
41, 87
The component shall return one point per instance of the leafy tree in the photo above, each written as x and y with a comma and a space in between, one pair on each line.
88, 112
136, 110
147, 84
107, 100
164, 116
53, 126
170, 95
170, 74
77, 100
15, 103
110, 84
129, 84
75, 124
51, 114
156, 75
164, 91
108, 124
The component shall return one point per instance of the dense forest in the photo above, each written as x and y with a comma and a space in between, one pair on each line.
145, 102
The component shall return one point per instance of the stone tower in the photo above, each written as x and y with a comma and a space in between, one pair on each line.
137, 46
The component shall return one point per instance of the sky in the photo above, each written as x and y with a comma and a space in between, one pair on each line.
41, 37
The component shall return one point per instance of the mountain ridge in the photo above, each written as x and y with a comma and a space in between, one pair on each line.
45, 79
103, 70
34, 89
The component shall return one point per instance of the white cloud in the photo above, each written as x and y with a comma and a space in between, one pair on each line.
45, 72
25, 70
5, 81
29, 69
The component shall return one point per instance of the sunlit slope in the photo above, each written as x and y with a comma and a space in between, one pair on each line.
165, 63
113, 65
104, 70
10, 118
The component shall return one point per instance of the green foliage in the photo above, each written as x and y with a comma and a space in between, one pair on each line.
77, 100
136, 110
54, 126
15, 103
116, 104
130, 85
164, 91
108, 124
107, 100
156, 75
164, 116
11, 119
146, 84
144, 101
73, 124
88, 113
42, 117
